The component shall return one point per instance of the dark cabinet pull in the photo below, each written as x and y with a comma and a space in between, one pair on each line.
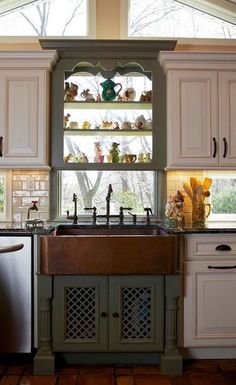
1, 139
225, 147
115, 315
103, 314
214, 148
222, 267
223, 248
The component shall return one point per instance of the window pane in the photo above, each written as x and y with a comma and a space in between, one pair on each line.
223, 192
169, 18
130, 189
47, 18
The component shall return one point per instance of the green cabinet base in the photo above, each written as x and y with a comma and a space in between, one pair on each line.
44, 365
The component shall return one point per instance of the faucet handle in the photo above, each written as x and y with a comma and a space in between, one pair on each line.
94, 213
134, 216
148, 212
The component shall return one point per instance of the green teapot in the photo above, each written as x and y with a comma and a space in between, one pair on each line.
109, 93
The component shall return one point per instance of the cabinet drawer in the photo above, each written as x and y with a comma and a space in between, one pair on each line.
210, 246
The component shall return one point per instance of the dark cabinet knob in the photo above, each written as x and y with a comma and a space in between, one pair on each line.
115, 315
103, 314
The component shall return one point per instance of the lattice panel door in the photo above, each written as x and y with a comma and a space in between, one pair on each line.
136, 310
80, 315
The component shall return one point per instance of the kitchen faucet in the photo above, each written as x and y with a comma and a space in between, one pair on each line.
74, 216
33, 207
108, 215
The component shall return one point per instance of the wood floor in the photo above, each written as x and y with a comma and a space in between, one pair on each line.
199, 372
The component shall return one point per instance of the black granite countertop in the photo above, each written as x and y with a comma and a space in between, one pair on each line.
11, 228
208, 228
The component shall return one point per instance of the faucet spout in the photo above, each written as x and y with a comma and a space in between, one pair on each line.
108, 202
33, 207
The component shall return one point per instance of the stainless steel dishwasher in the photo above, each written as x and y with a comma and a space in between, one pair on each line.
15, 294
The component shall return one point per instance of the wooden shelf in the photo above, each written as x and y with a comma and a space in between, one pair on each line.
108, 105
107, 132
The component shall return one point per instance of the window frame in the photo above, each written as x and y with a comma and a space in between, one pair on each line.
91, 22
210, 8
222, 174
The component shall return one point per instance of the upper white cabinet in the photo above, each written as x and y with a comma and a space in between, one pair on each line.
24, 100
201, 116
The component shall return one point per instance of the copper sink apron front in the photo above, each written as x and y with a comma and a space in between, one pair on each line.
108, 254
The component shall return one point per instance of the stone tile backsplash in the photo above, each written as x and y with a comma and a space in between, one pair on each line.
28, 186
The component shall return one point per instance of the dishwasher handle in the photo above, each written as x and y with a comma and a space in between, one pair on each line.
11, 249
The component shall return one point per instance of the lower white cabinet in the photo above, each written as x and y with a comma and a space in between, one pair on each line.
210, 287
108, 313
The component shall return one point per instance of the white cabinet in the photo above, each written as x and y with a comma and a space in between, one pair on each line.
201, 118
24, 100
209, 291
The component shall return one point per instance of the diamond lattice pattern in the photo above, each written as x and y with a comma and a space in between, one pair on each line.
136, 316
80, 313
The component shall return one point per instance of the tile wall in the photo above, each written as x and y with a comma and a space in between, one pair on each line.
28, 186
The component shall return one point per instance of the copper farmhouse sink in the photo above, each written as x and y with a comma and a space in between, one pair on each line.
108, 251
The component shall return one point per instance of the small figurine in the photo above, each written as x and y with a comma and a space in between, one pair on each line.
83, 158
69, 158
148, 158
70, 91
98, 152
129, 95
146, 96
114, 152
98, 98
141, 157
87, 96
107, 124
116, 126
66, 120
86, 125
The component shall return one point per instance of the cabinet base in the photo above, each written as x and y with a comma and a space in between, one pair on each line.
44, 365
171, 364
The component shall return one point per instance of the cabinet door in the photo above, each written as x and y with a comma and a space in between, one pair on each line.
192, 132
136, 313
210, 304
227, 118
23, 121
80, 311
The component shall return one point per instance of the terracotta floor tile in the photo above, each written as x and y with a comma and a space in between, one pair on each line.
68, 379
201, 366
227, 365
210, 379
145, 369
97, 369
230, 378
124, 370
10, 380
181, 380
15, 369
152, 379
125, 380
94, 379
38, 380
68, 370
